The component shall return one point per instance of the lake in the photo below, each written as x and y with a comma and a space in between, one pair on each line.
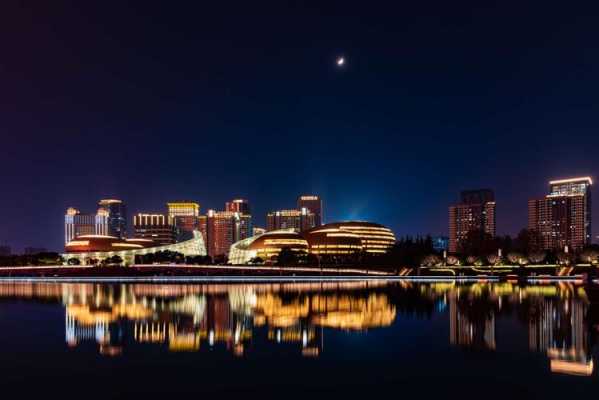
318, 339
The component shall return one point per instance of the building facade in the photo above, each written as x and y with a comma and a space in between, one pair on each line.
338, 239
313, 204
267, 246
375, 238
98, 247
563, 217
157, 227
78, 224
117, 217
241, 206
223, 228
475, 213
299, 220
185, 215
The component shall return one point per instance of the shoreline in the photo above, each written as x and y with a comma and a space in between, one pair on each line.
226, 273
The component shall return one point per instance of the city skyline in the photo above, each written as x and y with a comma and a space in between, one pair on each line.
263, 219
421, 108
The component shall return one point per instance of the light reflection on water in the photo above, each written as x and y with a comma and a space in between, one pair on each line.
560, 320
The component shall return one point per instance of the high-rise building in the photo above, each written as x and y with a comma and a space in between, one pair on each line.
563, 217
117, 217
299, 220
158, 227
223, 228
241, 206
77, 224
186, 216
314, 205
475, 213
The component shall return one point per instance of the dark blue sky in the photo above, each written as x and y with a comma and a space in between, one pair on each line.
152, 102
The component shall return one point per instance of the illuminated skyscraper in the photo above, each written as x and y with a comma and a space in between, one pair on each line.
186, 217
563, 217
77, 224
223, 228
238, 205
475, 213
299, 220
158, 227
117, 217
314, 205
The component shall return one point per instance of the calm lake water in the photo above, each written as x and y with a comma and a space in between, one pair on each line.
281, 340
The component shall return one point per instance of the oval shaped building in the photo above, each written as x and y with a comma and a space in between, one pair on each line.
375, 238
266, 246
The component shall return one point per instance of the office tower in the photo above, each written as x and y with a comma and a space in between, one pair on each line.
186, 216
241, 206
223, 228
158, 227
117, 217
563, 217
314, 205
5, 251
299, 220
475, 213
77, 224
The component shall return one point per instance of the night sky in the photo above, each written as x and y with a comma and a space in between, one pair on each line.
216, 100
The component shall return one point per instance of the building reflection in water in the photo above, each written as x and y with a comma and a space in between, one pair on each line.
190, 317
556, 316
561, 319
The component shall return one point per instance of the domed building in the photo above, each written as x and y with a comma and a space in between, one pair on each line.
103, 243
100, 247
266, 246
332, 241
374, 238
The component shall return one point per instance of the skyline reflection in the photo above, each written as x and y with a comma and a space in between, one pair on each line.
241, 319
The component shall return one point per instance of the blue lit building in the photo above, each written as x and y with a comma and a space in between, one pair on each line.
440, 243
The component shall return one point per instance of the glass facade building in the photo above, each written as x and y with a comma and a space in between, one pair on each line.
117, 217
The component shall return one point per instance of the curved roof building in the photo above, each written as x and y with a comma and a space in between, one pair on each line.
266, 246
375, 238
332, 241
100, 247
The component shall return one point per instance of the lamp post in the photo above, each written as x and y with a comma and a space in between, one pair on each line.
445, 258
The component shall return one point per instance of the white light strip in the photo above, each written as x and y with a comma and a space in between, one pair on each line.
572, 180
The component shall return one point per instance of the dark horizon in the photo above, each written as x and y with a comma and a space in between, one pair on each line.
149, 103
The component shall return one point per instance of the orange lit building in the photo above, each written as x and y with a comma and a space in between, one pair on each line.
223, 228
77, 224
563, 217
313, 204
375, 238
158, 227
299, 220
99, 247
185, 215
241, 206
476, 212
